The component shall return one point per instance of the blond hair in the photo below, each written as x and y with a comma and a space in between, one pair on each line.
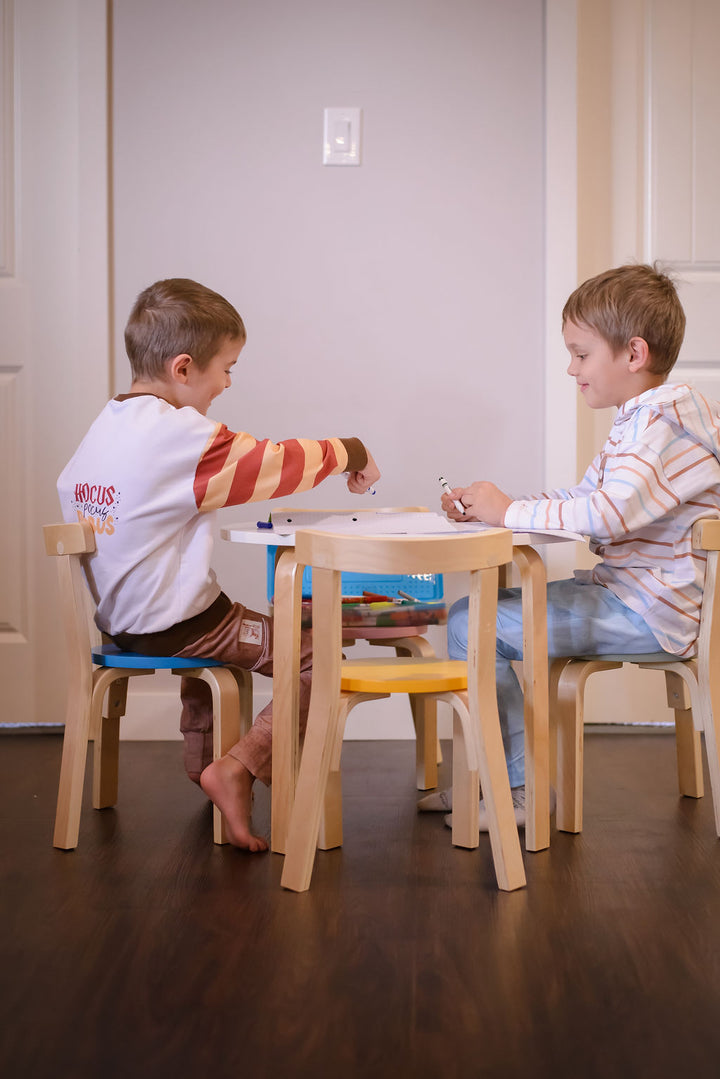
632, 301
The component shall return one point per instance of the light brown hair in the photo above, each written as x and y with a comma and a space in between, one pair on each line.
178, 316
632, 301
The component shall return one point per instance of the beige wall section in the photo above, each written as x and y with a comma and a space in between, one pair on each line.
53, 312
611, 63
649, 163
402, 301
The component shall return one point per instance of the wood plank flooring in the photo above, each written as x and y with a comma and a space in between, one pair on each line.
150, 952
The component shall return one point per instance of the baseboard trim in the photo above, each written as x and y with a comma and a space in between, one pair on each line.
153, 714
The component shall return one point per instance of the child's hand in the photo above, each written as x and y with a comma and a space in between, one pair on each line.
483, 501
359, 482
447, 501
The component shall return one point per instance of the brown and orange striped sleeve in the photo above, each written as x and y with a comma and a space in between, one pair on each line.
235, 467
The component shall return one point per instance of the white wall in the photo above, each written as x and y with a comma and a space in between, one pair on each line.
400, 301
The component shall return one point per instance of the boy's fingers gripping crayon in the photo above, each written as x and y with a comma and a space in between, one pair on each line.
448, 491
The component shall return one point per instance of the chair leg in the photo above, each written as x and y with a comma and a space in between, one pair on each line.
570, 734
569, 712
688, 742
465, 792
711, 716
315, 762
330, 833
106, 746
72, 767
712, 748
428, 752
223, 684
484, 751
554, 673
568, 725
424, 714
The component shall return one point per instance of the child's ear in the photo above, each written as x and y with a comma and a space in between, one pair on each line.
639, 354
179, 367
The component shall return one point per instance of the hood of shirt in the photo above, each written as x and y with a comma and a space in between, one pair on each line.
683, 407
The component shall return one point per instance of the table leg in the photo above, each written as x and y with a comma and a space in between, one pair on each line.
533, 581
286, 693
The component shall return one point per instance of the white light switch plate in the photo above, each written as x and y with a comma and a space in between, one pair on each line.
341, 137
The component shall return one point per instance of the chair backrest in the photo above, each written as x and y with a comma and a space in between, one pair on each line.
441, 553
474, 553
70, 543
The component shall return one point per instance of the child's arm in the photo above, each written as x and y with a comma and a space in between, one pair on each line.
235, 467
628, 490
485, 502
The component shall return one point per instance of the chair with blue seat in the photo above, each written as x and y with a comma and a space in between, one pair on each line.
99, 673
400, 626
693, 693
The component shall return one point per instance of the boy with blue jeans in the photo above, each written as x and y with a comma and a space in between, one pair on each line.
658, 473
149, 476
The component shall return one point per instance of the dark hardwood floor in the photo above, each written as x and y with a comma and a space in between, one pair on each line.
148, 951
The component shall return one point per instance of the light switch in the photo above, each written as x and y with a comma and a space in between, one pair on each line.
341, 137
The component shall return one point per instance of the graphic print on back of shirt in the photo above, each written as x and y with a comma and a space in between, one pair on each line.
97, 504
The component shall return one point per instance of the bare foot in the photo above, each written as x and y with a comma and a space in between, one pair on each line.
228, 784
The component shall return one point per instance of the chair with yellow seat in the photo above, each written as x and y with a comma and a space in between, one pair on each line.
99, 673
404, 628
693, 692
338, 686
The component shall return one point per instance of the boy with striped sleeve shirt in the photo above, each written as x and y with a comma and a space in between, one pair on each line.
149, 475
658, 473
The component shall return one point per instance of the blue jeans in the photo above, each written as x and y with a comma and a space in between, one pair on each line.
583, 619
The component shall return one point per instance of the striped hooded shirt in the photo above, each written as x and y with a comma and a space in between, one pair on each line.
658, 473
149, 478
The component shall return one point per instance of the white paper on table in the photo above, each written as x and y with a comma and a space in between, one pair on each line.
374, 524
557, 533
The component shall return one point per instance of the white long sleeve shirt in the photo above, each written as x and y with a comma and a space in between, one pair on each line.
658, 473
148, 477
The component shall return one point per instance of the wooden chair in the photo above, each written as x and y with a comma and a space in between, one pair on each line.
469, 687
693, 692
100, 672
408, 639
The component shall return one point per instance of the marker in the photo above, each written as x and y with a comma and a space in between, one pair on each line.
448, 491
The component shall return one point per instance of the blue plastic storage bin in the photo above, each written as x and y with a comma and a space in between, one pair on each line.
421, 586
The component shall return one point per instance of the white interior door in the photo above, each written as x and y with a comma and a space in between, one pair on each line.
53, 313
683, 153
